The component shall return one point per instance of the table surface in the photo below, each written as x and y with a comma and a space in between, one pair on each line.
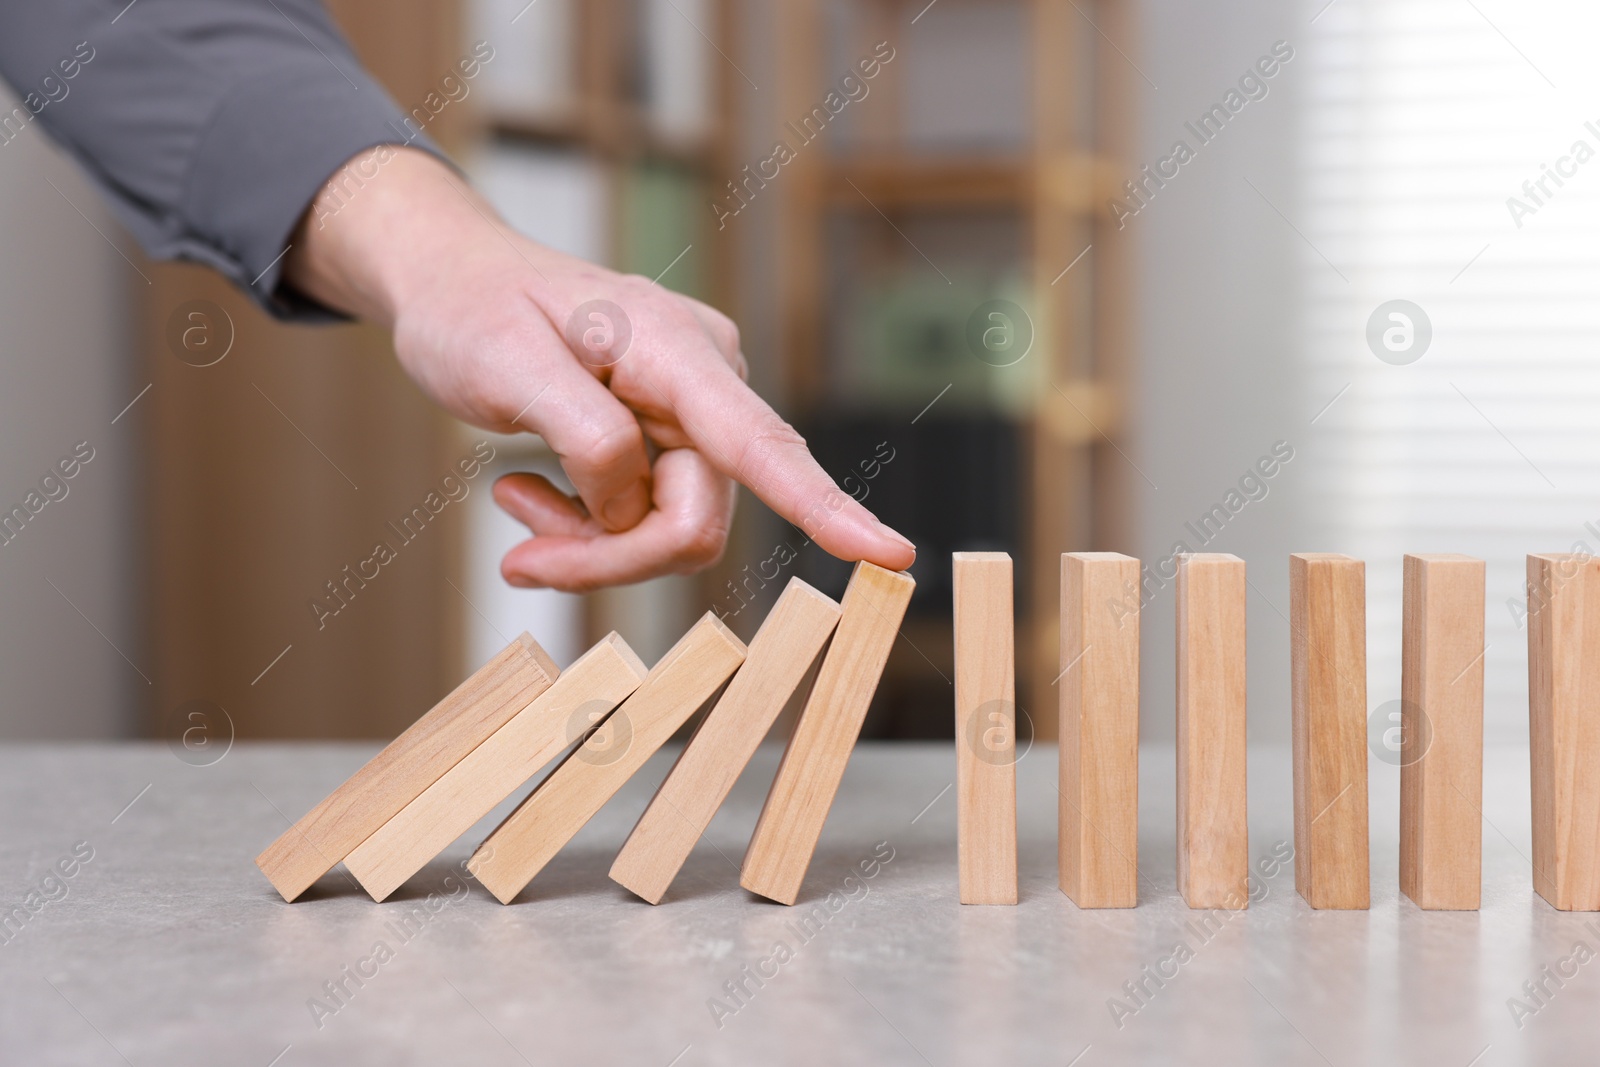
168, 947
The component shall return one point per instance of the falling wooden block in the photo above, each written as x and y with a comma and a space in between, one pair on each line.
1328, 669
797, 805
1564, 728
407, 765
1099, 739
780, 655
1213, 830
585, 693
1441, 732
687, 676
986, 739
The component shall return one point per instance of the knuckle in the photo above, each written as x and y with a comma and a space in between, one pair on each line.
702, 545
765, 449
725, 330
610, 444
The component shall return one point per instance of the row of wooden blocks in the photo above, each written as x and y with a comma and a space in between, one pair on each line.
1441, 750
519, 712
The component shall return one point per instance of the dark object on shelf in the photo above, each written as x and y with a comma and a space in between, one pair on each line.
951, 485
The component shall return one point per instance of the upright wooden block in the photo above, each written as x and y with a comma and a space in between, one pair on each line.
586, 692
986, 741
1213, 823
782, 651
1564, 728
1328, 669
1441, 732
1099, 746
407, 765
797, 806
687, 676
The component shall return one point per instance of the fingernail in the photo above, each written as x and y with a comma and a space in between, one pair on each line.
897, 536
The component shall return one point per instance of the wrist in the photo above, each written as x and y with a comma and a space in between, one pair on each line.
383, 225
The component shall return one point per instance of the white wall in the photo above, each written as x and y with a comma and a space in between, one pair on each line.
1381, 162
1219, 377
66, 353
1424, 119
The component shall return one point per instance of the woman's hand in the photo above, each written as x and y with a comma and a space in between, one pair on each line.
509, 335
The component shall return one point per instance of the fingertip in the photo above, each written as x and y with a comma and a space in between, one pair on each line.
534, 501
893, 550
537, 563
896, 553
513, 574
860, 536
891, 534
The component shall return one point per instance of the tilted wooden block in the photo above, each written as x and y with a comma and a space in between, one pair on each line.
1564, 728
1328, 682
687, 676
407, 765
1213, 823
797, 805
1441, 732
1099, 746
585, 693
986, 737
780, 654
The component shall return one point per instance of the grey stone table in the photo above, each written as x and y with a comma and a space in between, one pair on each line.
165, 946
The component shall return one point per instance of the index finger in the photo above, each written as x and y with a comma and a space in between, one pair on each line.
745, 439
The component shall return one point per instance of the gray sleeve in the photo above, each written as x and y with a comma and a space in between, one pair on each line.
210, 125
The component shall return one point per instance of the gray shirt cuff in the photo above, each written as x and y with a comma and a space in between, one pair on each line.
209, 125
271, 146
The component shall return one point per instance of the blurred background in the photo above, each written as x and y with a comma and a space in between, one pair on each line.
1033, 276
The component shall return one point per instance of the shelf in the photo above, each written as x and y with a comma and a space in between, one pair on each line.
1077, 181
902, 182
627, 136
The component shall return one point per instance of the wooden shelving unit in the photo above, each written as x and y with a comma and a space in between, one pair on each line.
245, 520
1057, 185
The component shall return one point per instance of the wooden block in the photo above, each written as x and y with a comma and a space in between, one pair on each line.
1213, 824
1564, 728
585, 693
780, 655
1099, 739
407, 765
1328, 682
1441, 732
791, 820
687, 676
986, 718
